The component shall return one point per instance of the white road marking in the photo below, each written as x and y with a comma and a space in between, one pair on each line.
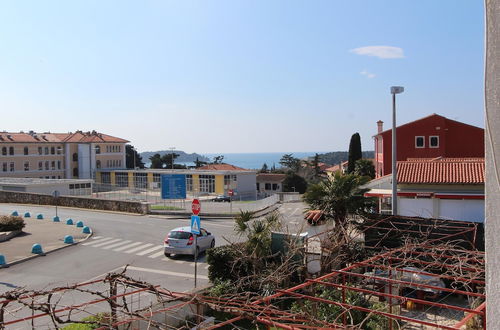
178, 261
139, 248
127, 246
106, 243
166, 272
98, 241
96, 237
149, 250
158, 254
115, 245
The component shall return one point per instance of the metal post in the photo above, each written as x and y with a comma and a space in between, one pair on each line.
195, 258
394, 158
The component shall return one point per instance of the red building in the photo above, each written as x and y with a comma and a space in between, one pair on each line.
430, 137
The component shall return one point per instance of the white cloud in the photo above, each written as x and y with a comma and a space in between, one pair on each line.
368, 74
379, 51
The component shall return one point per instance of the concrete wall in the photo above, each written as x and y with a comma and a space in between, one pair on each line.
247, 185
78, 202
451, 209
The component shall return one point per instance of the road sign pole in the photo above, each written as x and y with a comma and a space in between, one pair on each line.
195, 258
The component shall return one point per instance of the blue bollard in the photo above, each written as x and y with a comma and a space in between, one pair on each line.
39, 216
36, 249
86, 230
2, 260
27, 215
69, 221
15, 214
56, 219
79, 224
68, 239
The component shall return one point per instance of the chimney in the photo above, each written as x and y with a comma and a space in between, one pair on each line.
380, 126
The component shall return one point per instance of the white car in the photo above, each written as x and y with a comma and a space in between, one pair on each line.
181, 241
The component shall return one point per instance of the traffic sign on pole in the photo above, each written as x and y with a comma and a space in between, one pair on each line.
196, 207
195, 224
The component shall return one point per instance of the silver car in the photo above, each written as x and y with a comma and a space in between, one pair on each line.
181, 241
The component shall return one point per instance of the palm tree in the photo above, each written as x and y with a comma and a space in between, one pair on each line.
339, 196
257, 231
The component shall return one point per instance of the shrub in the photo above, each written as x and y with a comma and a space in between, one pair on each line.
11, 223
224, 263
97, 320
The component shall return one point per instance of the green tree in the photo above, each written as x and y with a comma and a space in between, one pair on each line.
354, 152
264, 168
294, 182
364, 167
257, 232
156, 161
339, 196
130, 155
290, 162
168, 159
315, 165
218, 159
198, 163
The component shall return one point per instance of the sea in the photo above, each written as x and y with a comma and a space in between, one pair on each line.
254, 160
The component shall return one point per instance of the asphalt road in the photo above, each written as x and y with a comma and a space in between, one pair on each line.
125, 239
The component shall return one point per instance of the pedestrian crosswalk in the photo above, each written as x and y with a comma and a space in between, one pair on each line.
149, 250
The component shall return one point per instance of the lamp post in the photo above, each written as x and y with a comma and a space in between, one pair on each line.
394, 90
172, 153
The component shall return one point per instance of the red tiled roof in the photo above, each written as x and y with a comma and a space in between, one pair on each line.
270, 177
442, 170
221, 167
77, 137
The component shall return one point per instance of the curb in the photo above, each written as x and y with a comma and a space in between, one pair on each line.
79, 208
183, 215
46, 252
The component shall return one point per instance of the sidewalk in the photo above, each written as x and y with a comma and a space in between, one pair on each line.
49, 234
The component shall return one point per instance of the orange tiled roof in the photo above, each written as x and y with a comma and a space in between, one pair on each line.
77, 137
221, 167
442, 170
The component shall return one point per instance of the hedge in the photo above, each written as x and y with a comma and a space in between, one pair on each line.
11, 223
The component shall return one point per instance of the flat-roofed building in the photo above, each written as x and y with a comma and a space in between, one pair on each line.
65, 187
59, 155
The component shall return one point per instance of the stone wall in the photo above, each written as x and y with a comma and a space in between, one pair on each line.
74, 201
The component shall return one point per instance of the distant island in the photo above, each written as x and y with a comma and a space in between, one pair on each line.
183, 157
336, 157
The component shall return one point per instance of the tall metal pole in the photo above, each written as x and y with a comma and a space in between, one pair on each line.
394, 158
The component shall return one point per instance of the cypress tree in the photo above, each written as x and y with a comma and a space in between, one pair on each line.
354, 152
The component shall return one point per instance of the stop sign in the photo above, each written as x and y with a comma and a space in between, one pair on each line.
196, 207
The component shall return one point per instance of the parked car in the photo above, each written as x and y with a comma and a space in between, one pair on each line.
181, 241
222, 198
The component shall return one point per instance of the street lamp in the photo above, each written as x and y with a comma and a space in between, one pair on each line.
394, 90
172, 150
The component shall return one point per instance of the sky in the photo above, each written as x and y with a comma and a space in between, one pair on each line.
238, 76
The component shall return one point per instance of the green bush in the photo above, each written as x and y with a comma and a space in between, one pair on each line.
224, 263
100, 319
11, 223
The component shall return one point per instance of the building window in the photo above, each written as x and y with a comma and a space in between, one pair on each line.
4, 167
98, 163
26, 166
4, 151
189, 182
58, 164
207, 183
53, 167
46, 150
267, 186
59, 150
26, 150
258, 186
40, 166
275, 186
105, 177
11, 150
140, 180
121, 179
419, 142
40, 150
75, 157
97, 150
433, 141
47, 165
12, 166
75, 172
52, 150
